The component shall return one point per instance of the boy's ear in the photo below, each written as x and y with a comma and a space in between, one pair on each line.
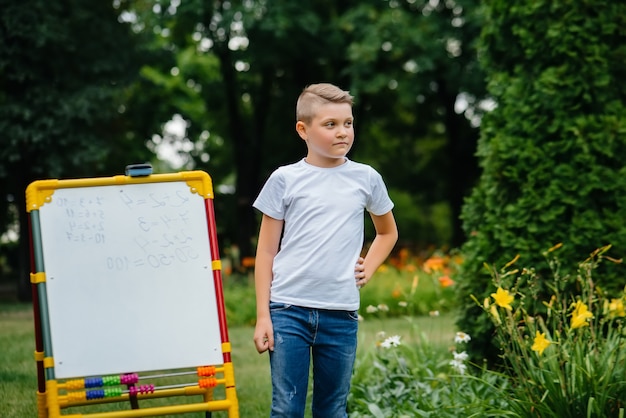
301, 129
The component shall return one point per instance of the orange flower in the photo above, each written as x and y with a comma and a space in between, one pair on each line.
248, 262
410, 268
433, 264
403, 254
446, 281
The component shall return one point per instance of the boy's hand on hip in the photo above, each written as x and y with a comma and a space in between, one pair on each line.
359, 273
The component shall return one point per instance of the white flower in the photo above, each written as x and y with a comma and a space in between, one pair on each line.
403, 304
433, 313
383, 308
462, 337
460, 356
393, 341
459, 366
371, 309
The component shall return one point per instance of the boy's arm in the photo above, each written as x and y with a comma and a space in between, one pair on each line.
267, 248
386, 237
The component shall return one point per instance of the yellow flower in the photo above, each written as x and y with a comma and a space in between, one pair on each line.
540, 343
503, 298
580, 314
616, 308
495, 314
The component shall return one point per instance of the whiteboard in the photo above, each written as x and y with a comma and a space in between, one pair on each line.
129, 279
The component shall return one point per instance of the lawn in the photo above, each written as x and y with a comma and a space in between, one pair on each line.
18, 381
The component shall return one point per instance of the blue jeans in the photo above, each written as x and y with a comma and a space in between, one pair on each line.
330, 337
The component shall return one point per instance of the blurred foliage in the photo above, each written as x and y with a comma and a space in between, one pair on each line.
63, 85
552, 152
87, 88
408, 285
234, 69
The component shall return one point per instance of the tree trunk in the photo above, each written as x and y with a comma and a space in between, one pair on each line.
24, 293
463, 169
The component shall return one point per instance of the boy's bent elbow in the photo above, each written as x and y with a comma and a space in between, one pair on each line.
394, 234
385, 225
391, 238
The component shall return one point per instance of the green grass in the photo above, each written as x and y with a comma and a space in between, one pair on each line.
401, 292
18, 381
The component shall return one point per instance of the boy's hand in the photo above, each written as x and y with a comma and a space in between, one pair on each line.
359, 273
264, 335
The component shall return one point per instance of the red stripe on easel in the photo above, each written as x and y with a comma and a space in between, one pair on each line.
217, 274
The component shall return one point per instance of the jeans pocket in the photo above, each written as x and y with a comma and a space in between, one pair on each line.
277, 306
354, 315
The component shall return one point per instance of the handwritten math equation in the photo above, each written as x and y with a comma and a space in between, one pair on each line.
158, 228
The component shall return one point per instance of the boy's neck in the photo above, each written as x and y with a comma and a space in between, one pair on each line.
325, 162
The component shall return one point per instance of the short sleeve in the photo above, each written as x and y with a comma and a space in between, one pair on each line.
379, 201
270, 199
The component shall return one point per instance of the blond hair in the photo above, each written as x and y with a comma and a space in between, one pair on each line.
316, 94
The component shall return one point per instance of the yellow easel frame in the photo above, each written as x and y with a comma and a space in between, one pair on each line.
54, 395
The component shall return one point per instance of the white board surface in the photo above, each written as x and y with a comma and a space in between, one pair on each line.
129, 279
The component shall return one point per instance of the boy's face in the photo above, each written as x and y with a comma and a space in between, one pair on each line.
330, 134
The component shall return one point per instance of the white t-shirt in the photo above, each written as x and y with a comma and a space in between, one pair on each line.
323, 210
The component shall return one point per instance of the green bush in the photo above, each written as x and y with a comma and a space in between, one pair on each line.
552, 151
419, 222
570, 361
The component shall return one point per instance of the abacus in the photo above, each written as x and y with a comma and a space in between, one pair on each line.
127, 295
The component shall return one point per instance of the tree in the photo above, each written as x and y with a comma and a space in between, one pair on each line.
409, 63
238, 67
65, 67
552, 151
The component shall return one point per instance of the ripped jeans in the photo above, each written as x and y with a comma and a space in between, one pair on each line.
330, 338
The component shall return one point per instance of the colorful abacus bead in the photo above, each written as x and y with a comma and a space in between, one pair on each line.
206, 371
95, 394
75, 384
147, 388
134, 390
76, 396
93, 382
129, 378
207, 382
112, 392
111, 380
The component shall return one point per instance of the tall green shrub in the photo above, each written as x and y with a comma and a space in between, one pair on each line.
553, 151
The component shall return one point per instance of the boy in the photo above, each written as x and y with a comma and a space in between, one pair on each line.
308, 270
